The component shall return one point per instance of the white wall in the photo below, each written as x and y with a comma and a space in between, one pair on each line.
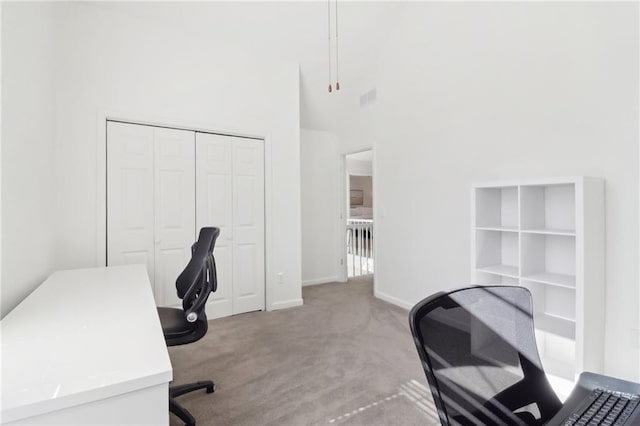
320, 178
490, 91
112, 64
359, 167
27, 149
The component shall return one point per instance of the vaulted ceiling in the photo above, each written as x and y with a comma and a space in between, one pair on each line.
296, 31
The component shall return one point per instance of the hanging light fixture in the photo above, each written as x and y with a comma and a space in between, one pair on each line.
329, 33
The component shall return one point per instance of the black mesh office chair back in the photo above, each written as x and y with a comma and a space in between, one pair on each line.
478, 350
189, 324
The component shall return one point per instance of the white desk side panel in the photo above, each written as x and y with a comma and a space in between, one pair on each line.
83, 337
148, 406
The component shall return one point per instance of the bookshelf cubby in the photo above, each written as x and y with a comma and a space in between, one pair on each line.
549, 259
548, 236
499, 252
497, 208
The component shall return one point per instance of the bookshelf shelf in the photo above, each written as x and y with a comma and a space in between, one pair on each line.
565, 232
502, 270
560, 280
555, 325
497, 228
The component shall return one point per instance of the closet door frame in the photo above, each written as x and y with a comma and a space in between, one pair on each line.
101, 182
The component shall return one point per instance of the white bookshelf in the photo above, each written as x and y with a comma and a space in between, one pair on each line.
548, 235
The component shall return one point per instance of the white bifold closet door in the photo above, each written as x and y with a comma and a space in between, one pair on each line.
174, 208
151, 202
130, 208
230, 195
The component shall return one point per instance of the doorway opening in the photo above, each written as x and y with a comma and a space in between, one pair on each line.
359, 232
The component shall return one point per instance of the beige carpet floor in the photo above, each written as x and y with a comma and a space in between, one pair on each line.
343, 358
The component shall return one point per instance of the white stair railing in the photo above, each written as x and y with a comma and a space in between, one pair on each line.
359, 247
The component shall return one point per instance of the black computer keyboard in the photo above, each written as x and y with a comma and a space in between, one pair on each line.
604, 407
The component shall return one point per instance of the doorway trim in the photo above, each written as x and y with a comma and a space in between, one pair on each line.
344, 210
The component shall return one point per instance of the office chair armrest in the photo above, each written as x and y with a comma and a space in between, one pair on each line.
193, 313
208, 282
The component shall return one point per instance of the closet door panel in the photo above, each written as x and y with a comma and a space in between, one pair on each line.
214, 207
174, 209
248, 232
130, 223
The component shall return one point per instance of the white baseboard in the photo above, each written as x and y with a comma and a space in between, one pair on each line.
393, 300
285, 304
320, 281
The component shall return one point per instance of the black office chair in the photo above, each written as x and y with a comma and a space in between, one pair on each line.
189, 324
478, 350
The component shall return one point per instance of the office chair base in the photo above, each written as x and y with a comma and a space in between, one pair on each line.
179, 410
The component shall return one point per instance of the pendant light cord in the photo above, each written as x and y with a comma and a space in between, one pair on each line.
337, 71
329, 32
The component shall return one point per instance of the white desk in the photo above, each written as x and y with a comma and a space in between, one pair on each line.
86, 347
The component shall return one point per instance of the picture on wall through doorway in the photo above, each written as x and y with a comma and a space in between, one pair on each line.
357, 197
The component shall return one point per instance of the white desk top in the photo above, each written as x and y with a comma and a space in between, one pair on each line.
83, 335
